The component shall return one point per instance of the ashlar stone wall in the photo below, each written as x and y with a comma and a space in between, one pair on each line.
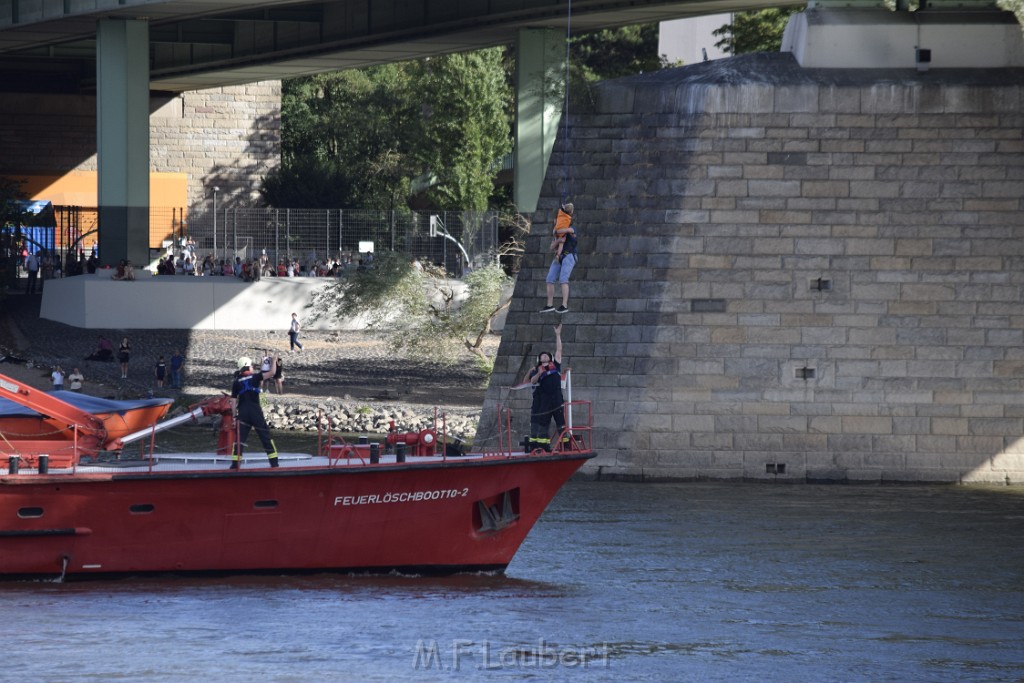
228, 137
789, 274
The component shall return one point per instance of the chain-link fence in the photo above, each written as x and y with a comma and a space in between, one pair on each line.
447, 239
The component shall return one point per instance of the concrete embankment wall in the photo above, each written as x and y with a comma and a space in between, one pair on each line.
200, 303
790, 274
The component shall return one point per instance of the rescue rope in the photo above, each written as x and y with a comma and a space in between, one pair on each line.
567, 180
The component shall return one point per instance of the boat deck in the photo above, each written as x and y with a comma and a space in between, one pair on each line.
207, 462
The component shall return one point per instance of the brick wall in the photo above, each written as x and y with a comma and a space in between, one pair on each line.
817, 269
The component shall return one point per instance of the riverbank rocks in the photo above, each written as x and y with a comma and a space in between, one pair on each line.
360, 418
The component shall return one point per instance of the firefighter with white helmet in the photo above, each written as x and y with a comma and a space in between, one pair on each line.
245, 395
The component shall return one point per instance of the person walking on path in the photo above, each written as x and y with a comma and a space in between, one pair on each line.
293, 332
245, 395
32, 266
124, 354
76, 378
177, 364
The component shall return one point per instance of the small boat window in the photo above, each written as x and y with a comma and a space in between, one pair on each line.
30, 513
141, 508
265, 504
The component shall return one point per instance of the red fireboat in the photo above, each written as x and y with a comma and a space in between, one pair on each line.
73, 506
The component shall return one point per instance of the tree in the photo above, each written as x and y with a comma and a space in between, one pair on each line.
759, 31
468, 126
614, 53
416, 310
610, 53
12, 217
344, 139
357, 138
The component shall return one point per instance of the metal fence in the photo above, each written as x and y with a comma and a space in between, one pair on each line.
447, 239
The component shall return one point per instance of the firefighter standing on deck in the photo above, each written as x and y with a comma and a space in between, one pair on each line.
547, 396
245, 395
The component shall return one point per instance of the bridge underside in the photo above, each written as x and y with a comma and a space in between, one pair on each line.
193, 45
77, 47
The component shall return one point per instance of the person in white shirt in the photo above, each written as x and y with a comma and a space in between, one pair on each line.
58, 378
76, 378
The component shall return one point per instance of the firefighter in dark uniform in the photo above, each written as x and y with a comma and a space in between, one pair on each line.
547, 396
245, 394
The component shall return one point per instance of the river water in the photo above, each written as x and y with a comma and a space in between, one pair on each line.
618, 582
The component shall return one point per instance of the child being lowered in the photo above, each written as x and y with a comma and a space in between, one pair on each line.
563, 244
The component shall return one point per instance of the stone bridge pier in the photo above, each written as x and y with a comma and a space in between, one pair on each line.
790, 273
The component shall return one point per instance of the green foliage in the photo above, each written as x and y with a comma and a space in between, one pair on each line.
471, 105
344, 139
610, 53
1015, 6
11, 218
10, 192
416, 312
451, 327
759, 31
357, 138
308, 182
613, 53
387, 293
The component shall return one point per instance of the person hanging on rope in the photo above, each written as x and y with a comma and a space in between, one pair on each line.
563, 245
562, 230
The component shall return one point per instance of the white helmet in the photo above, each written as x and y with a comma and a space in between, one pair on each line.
244, 362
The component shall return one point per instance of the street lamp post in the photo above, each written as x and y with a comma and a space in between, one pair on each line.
215, 191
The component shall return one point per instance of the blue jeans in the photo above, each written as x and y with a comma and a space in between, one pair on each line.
560, 272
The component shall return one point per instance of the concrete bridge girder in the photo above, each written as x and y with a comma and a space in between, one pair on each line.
540, 96
124, 80
122, 137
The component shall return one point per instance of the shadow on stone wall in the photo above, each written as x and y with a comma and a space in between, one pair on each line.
790, 274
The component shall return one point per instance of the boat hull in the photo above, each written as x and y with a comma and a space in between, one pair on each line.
438, 517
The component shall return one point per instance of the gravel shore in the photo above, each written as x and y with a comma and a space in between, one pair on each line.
353, 369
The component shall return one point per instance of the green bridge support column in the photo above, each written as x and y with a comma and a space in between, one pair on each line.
540, 94
122, 140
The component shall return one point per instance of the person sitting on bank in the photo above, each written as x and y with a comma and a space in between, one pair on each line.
104, 350
121, 272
